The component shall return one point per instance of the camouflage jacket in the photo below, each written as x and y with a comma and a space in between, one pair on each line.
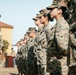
30, 52
40, 46
62, 35
47, 30
18, 55
24, 51
59, 39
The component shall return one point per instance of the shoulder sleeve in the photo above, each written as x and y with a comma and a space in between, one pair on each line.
62, 36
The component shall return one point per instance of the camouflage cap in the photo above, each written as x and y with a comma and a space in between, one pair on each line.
42, 12
39, 15
31, 29
17, 42
21, 40
54, 4
58, 4
24, 38
26, 33
36, 18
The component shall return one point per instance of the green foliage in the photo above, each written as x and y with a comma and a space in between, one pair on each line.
5, 45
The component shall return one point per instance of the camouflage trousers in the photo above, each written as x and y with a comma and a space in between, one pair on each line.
72, 65
32, 69
42, 69
53, 66
64, 67
22, 67
73, 56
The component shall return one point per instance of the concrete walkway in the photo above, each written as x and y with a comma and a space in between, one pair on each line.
8, 71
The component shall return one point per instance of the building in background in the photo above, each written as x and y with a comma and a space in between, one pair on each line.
0, 40
6, 34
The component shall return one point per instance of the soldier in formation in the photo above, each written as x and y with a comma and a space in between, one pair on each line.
39, 25
61, 35
21, 55
40, 47
17, 55
30, 55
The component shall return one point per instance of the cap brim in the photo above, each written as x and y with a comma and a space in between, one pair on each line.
26, 34
39, 15
35, 18
30, 31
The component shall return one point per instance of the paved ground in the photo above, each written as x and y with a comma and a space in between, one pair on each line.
8, 71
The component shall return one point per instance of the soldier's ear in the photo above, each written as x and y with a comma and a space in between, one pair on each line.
60, 11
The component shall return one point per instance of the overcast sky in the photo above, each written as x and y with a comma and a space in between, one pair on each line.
19, 14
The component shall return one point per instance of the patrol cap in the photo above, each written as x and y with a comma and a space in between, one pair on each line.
31, 29
24, 38
21, 40
36, 18
43, 12
57, 4
39, 15
18, 42
26, 33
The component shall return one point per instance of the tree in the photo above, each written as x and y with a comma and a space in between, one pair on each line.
5, 45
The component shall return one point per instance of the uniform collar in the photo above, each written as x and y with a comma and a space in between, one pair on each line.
60, 20
39, 29
47, 24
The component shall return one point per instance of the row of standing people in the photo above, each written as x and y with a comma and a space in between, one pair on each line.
45, 51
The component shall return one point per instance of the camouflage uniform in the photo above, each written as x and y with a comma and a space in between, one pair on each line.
24, 57
41, 60
21, 59
17, 55
48, 31
61, 38
18, 59
30, 57
72, 22
40, 50
30, 47
51, 65
55, 63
